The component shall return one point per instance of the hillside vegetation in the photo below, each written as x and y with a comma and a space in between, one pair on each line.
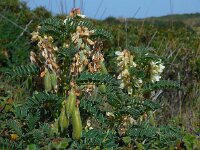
152, 101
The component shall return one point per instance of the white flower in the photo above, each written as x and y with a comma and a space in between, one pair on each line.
82, 16
132, 121
130, 90
155, 78
120, 58
35, 36
110, 114
140, 81
133, 64
125, 62
88, 123
119, 77
122, 85
153, 64
161, 67
118, 53
90, 128
156, 69
125, 72
55, 48
120, 64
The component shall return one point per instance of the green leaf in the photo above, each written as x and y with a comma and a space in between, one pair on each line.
189, 141
127, 139
139, 145
31, 147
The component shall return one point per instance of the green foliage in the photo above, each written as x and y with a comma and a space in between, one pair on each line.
25, 70
97, 78
102, 34
8, 144
112, 118
15, 126
15, 31
165, 134
163, 84
29, 125
191, 142
96, 139
66, 54
54, 27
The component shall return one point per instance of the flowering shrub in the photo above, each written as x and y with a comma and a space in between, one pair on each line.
77, 103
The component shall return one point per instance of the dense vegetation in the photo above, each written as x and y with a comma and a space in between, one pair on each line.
97, 84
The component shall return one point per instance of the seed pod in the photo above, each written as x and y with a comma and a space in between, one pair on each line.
71, 102
47, 81
63, 120
103, 68
76, 124
55, 127
53, 79
102, 88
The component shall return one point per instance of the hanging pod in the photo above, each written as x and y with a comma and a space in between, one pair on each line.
103, 68
76, 124
71, 102
63, 120
53, 77
47, 81
102, 87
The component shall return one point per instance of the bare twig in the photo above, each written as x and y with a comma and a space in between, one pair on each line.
126, 30
155, 97
14, 23
82, 6
152, 38
74, 3
66, 8
136, 12
98, 8
103, 13
61, 6
23, 31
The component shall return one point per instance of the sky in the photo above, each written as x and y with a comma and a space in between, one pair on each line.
100, 9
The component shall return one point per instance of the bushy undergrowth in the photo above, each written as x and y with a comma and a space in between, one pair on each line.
178, 44
17, 23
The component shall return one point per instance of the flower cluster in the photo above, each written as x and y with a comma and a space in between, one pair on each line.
81, 40
97, 58
89, 56
125, 62
45, 59
76, 12
47, 52
127, 121
88, 125
156, 68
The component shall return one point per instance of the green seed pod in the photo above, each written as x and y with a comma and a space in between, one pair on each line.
47, 81
53, 79
76, 124
102, 88
55, 127
63, 120
103, 68
71, 102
